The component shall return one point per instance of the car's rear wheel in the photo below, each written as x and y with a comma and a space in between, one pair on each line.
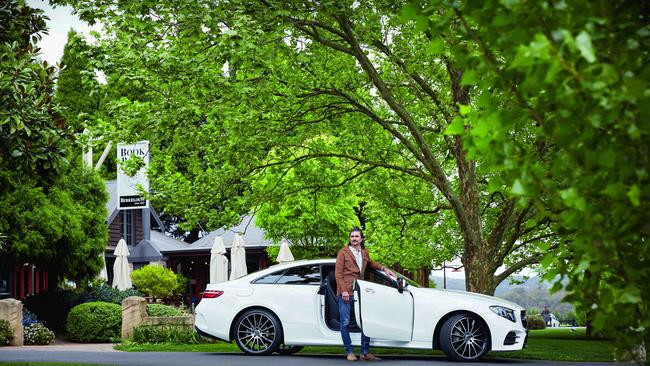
464, 337
288, 350
258, 332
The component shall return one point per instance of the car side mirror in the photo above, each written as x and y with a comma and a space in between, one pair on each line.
401, 284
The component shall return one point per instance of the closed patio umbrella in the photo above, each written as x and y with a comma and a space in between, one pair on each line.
103, 274
218, 262
121, 268
285, 254
238, 258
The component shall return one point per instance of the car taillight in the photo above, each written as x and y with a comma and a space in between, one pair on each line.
212, 294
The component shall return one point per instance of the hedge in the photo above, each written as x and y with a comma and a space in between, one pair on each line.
95, 322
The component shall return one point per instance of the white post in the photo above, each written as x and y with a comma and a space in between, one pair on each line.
107, 149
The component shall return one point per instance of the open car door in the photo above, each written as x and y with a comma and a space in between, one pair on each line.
383, 312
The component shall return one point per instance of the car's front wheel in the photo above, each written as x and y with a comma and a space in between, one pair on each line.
464, 337
258, 332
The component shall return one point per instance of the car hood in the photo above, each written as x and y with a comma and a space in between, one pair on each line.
489, 300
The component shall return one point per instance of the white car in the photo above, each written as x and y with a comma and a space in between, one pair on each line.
290, 305
554, 322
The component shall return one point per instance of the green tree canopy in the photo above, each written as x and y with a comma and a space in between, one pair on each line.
77, 89
575, 77
227, 91
522, 126
51, 209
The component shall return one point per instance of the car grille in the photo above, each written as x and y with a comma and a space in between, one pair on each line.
523, 319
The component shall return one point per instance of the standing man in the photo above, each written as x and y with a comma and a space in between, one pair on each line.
351, 263
546, 315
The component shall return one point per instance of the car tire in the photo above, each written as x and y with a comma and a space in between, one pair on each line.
288, 350
464, 337
258, 332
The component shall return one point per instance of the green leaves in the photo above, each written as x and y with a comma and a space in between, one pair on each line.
583, 42
572, 199
539, 49
634, 194
518, 188
589, 167
52, 209
456, 127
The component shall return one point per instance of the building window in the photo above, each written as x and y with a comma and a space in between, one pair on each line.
127, 230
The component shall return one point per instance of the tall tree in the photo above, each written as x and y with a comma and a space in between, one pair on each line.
575, 75
77, 89
51, 210
308, 81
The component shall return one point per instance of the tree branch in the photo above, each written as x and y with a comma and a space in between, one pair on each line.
520, 265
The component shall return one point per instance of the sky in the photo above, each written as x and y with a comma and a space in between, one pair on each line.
60, 23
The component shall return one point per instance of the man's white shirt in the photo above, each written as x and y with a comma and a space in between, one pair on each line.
357, 255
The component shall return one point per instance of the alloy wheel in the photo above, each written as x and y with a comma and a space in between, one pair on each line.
256, 333
468, 338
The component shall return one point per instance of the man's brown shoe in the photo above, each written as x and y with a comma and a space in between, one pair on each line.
352, 357
369, 357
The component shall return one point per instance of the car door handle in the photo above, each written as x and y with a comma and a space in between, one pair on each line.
370, 291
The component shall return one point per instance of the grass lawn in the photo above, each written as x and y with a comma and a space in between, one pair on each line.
562, 344
559, 344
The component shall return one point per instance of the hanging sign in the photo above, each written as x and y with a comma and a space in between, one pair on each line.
128, 194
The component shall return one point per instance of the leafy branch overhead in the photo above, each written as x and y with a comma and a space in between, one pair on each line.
507, 132
239, 101
52, 209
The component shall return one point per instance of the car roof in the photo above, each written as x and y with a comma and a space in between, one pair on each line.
281, 266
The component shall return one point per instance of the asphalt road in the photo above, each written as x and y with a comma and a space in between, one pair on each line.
217, 359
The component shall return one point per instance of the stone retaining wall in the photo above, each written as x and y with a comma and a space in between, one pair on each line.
134, 314
11, 310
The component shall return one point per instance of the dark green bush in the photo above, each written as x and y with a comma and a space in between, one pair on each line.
94, 322
165, 334
105, 293
535, 322
162, 310
52, 307
6, 333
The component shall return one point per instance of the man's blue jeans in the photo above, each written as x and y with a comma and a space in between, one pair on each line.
344, 315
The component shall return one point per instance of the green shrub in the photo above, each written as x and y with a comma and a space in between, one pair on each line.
162, 310
37, 333
105, 293
94, 322
6, 333
165, 334
535, 322
157, 281
52, 307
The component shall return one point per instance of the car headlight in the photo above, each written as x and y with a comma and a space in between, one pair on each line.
504, 312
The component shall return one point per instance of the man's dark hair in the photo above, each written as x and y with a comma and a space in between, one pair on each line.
363, 238
357, 229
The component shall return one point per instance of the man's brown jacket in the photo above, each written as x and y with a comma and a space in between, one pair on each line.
347, 270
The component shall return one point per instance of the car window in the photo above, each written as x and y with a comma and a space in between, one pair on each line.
378, 278
383, 279
301, 275
270, 278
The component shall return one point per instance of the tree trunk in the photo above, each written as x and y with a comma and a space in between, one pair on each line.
478, 274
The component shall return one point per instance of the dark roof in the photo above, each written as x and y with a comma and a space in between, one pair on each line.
253, 236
